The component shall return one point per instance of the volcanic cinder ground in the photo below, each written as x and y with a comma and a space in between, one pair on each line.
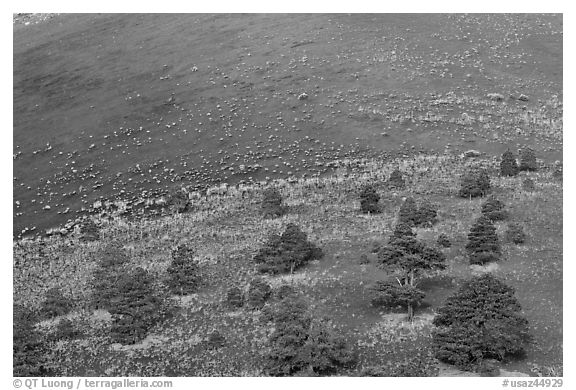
131, 106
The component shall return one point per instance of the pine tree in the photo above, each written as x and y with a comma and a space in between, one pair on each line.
272, 203
369, 200
408, 213
427, 214
258, 293
55, 304
396, 181
287, 252
480, 321
183, 272
483, 245
494, 209
528, 160
474, 183
515, 233
508, 165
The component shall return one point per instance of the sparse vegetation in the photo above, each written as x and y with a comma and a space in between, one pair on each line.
480, 321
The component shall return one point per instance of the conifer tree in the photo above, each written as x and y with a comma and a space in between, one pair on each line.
396, 181
183, 272
508, 165
482, 320
369, 200
483, 245
528, 160
272, 203
494, 209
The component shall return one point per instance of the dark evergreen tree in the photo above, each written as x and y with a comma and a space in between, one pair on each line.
287, 252
494, 209
259, 292
410, 259
178, 201
302, 345
508, 165
29, 347
396, 181
55, 304
272, 203
427, 214
234, 297
408, 213
135, 307
106, 275
183, 272
369, 200
89, 231
483, 245
528, 185
515, 233
474, 183
528, 159
443, 241
480, 321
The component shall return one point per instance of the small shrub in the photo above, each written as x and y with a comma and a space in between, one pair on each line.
364, 259
396, 181
480, 321
508, 165
483, 245
494, 209
258, 293
183, 272
272, 203
216, 340
89, 231
515, 233
528, 185
443, 241
557, 173
528, 160
234, 297
287, 252
285, 291
474, 183
178, 201
55, 304
369, 199
65, 331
